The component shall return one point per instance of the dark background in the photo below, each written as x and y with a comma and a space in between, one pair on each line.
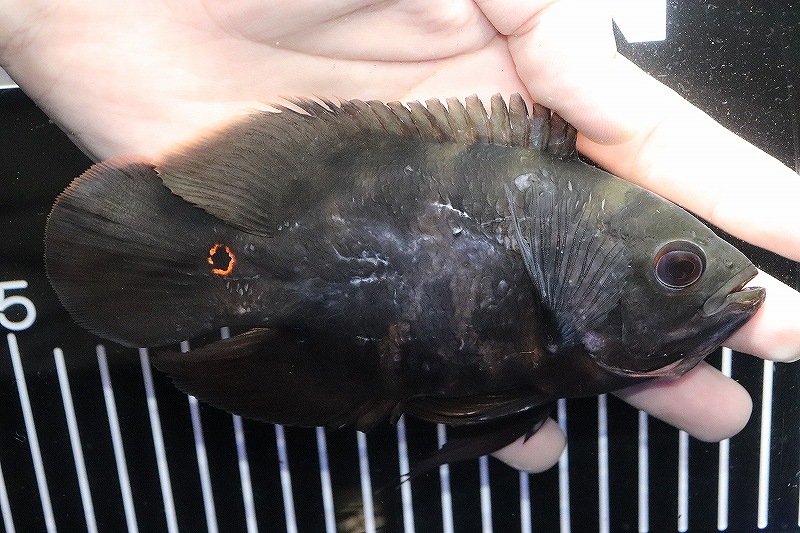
739, 61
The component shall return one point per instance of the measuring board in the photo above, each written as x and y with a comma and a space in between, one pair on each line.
92, 439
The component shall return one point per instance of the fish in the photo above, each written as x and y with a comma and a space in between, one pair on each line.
439, 260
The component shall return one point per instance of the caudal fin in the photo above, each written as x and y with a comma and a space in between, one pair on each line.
135, 263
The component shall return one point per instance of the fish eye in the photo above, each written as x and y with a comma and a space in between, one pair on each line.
679, 264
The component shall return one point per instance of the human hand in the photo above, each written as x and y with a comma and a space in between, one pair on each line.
136, 78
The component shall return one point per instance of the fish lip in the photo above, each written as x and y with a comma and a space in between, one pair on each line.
734, 292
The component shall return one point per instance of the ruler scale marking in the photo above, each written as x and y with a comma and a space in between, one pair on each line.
33, 438
158, 443
116, 440
75, 441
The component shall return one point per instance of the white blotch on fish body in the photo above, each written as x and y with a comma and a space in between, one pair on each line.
364, 258
593, 342
239, 287
569, 185
603, 205
372, 278
372, 260
523, 182
449, 207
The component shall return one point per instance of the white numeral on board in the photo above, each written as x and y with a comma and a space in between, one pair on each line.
16, 299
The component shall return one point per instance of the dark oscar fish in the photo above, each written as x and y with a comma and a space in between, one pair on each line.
437, 261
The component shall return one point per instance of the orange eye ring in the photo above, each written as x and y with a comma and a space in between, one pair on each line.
214, 261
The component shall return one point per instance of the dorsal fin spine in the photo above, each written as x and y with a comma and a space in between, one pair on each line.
509, 124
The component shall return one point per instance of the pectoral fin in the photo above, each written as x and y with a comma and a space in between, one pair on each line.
578, 269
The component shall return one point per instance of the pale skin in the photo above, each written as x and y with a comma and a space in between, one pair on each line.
138, 77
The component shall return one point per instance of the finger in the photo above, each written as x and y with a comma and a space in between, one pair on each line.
687, 157
564, 54
704, 402
641, 130
772, 333
538, 453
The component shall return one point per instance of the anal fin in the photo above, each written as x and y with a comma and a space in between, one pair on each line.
471, 442
280, 377
477, 409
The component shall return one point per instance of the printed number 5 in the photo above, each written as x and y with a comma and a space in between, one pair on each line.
8, 301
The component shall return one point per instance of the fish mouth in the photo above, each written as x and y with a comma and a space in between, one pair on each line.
734, 294
731, 304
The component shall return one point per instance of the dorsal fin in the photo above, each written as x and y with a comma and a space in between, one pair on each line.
260, 171
468, 123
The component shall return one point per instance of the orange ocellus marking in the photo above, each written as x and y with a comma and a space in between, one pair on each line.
231, 260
